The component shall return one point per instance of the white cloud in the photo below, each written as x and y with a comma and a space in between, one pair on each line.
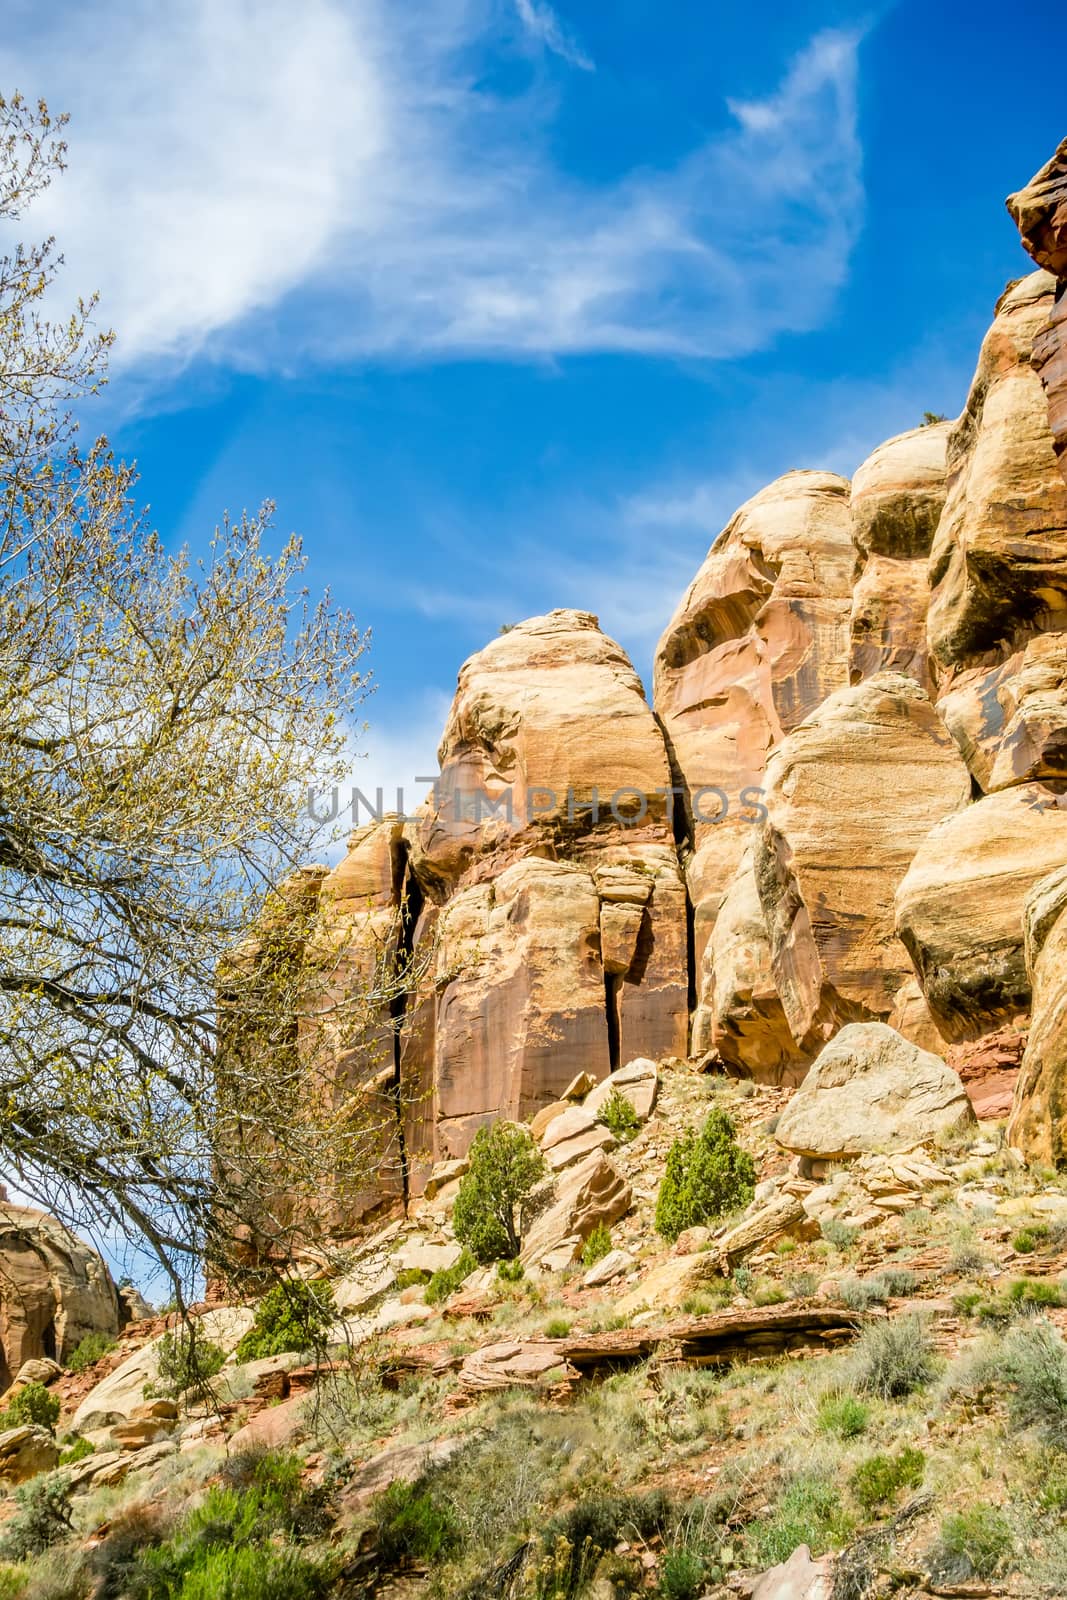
265, 183
542, 23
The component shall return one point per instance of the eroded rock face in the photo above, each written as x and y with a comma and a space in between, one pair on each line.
850, 795
871, 1090
53, 1290
897, 498
759, 640
1039, 211
561, 938
959, 908
998, 566
1038, 1123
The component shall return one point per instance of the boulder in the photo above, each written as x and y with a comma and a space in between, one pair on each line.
872, 1091
586, 1196
850, 796
997, 565
637, 1082
39, 1371
418, 1255
512, 1364
573, 1136
1037, 1127
275, 1428
54, 1290
133, 1307
959, 908
138, 1432
397, 1463
668, 1283
799, 1578
25, 1451
607, 1269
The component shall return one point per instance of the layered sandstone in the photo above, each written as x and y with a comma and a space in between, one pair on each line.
561, 936
850, 796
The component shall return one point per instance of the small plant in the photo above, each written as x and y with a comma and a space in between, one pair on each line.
859, 1294
292, 1316
597, 1246
492, 1207
682, 1576
967, 1254
89, 1351
76, 1450
185, 1361
898, 1281
411, 1278
619, 1117
877, 1481
444, 1283
510, 1271
706, 1174
801, 1285
1035, 1364
893, 1359
840, 1234
808, 1511
843, 1415
413, 1526
932, 417
42, 1518
34, 1405
1030, 1238
974, 1543
767, 1293
557, 1328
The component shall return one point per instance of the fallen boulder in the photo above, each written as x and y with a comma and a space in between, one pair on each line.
870, 1090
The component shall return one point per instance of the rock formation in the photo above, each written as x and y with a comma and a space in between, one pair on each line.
1040, 213
53, 1290
850, 781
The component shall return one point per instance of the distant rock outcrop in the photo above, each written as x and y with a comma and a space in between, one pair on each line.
53, 1290
1040, 212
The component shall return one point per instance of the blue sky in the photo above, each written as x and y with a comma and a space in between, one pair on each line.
508, 305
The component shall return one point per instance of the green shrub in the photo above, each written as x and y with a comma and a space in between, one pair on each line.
706, 1174
42, 1518
411, 1278
447, 1280
877, 1481
77, 1450
859, 1294
293, 1316
682, 1575
251, 1572
974, 1543
186, 1360
14, 1581
894, 1358
493, 1203
898, 1281
619, 1117
557, 1328
1035, 1364
90, 1350
35, 1405
510, 1271
840, 1234
843, 1415
597, 1246
808, 1511
413, 1525
1030, 1238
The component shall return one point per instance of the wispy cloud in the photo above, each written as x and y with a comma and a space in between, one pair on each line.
542, 23
265, 184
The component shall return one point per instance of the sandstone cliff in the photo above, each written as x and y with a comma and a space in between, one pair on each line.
848, 788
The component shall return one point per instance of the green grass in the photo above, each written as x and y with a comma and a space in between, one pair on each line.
843, 1416
877, 1481
974, 1543
808, 1511
444, 1283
